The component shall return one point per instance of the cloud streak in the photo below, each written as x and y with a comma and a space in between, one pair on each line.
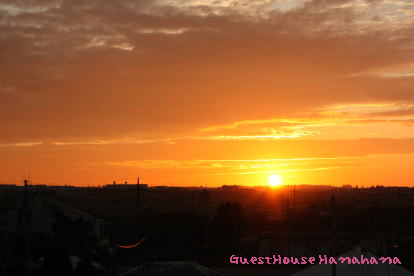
177, 79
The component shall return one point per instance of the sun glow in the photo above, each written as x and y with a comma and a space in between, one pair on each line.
274, 180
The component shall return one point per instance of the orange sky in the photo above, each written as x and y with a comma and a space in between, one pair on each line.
203, 92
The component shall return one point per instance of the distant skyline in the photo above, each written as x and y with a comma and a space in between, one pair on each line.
202, 92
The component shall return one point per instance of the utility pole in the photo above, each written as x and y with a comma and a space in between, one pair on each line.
333, 229
5, 219
192, 200
26, 225
5, 209
138, 226
399, 224
288, 225
138, 200
294, 199
26, 212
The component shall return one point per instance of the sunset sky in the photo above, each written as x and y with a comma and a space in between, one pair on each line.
207, 92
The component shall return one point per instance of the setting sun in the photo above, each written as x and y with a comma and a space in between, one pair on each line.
275, 180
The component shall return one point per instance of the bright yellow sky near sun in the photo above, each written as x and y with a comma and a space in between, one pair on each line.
207, 92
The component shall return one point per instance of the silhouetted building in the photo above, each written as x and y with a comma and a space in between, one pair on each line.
43, 211
170, 268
